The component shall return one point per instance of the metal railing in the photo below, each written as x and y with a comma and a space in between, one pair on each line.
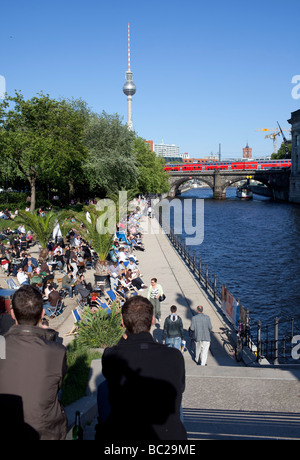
275, 341
271, 342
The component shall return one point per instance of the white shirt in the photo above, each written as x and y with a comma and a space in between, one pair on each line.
21, 277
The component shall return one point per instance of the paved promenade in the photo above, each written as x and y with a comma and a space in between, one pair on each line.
223, 400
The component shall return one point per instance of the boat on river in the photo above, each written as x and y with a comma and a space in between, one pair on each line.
244, 193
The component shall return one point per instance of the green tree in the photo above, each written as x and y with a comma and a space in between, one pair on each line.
281, 152
152, 177
41, 138
110, 164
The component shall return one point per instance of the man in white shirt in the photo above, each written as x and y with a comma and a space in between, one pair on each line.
22, 277
113, 272
122, 257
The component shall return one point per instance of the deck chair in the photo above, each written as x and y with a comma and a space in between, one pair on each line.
55, 312
12, 284
110, 295
77, 319
122, 235
81, 303
103, 305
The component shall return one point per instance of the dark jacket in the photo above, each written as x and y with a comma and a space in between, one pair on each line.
173, 327
82, 290
146, 381
34, 369
53, 298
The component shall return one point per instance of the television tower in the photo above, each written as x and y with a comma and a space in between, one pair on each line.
129, 88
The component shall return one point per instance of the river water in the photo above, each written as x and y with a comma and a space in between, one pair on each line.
254, 248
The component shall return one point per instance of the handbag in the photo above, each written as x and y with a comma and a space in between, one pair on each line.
162, 298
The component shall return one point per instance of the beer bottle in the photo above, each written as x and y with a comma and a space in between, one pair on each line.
77, 433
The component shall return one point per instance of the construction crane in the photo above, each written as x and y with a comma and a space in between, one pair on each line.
273, 135
285, 141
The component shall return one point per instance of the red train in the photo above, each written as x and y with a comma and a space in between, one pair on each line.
230, 165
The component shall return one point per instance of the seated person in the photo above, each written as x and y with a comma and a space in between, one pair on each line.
33, 261
59, 259
136, 281
6, 262
53, 297
30, 268
22, 264
84, 289
36, 277
113, 272
122, 256
68, 283
133, 267
22, 277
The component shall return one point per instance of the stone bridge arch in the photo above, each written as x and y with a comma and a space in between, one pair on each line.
277, 181
177, 181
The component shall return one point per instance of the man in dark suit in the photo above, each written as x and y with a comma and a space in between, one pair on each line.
145, 382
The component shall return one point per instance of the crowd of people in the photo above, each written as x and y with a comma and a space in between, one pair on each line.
137, 365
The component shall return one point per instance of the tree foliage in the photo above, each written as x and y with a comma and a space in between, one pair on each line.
63, 148
41, 138
152, 177
42, 227
281, 152
92, 226
110, 165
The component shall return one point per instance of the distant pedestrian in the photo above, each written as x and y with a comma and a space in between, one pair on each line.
201, 327
154, 292
173, 329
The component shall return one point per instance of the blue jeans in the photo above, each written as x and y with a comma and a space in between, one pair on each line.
174, 342
70, 289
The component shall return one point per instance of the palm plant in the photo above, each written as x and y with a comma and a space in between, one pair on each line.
41, 227
91, 225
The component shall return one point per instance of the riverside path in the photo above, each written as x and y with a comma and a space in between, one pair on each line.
223, 400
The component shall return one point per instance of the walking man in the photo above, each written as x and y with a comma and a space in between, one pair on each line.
201, 327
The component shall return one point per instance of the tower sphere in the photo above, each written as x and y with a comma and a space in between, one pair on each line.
129, 88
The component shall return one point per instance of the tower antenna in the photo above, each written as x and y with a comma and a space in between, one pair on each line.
128, 46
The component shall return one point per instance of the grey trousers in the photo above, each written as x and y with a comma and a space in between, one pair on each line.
156, 308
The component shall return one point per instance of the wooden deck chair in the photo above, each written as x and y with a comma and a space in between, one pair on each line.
114, 295
110, 295
81, 304
55, 312
12, 284
77, 319
103, 305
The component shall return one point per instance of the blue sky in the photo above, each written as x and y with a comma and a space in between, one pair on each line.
206, 72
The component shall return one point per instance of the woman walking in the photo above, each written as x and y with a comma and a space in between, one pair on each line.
154, 292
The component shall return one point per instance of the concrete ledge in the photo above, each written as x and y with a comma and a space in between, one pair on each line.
87, 405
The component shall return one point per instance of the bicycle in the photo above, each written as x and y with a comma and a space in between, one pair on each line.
241, 335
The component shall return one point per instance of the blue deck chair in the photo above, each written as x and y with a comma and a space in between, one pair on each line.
103, 305
77, 319
11, 284
122, 235
111, 295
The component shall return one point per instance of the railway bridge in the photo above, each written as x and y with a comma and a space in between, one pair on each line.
277, 180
